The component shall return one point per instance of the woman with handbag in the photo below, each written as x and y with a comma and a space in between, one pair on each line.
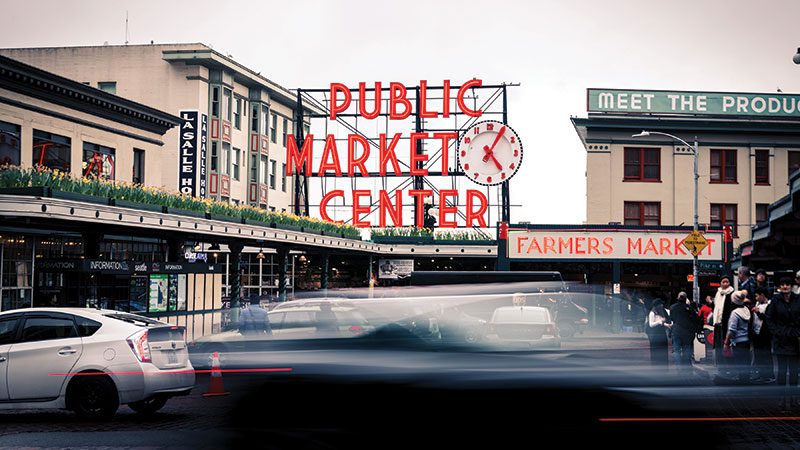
656, 328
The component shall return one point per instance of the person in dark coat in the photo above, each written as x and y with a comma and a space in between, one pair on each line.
783, 320
657, 324
746, 282
254, 320
685, 324
762, 339
761, 282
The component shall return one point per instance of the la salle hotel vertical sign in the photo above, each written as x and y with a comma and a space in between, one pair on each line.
192, 153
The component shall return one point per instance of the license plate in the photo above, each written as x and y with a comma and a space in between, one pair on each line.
172, 358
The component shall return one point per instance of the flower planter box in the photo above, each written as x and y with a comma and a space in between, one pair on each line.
282, 226
258, 223
86, 198
465, 242
141, 206
224, 218
187, 212
402, 240
33, 191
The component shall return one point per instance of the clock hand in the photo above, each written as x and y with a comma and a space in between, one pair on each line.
497, 138
497, 163
490, 154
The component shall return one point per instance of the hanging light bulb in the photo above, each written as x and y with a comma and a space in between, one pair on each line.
260, 254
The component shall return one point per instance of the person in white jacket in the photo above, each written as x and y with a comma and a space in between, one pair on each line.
721, 314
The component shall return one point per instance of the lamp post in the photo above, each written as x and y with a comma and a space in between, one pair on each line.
695, 149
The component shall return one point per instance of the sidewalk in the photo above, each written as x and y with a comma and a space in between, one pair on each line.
597, 333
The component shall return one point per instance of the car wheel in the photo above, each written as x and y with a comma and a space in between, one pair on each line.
93, 397
148, 406
566, 329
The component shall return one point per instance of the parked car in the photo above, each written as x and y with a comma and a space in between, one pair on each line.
90, 361
531, 326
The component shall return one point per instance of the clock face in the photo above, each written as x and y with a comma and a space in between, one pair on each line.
489, 153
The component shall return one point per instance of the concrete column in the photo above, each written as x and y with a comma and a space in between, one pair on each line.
235, 273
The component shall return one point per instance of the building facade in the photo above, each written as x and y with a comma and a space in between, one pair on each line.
748, 147
249, 116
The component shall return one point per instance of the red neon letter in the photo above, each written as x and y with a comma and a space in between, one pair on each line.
358, 209
362, 100
444, 209
446, 99
476, 215
445, 137
336, 108
423, 99
300, 159
460, 98
420, 195
387, 154
323, 205
332, 153
352, 161
415, 158
397, 94
395, 211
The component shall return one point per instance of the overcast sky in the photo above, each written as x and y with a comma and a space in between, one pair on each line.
555, 49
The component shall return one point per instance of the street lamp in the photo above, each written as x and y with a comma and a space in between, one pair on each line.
695, 149
796, 57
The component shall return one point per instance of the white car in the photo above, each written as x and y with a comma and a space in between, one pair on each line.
90, 361
529, 326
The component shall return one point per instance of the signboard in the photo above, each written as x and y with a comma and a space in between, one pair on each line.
608, 245
394, 269
158, 293
193, 136
695, 242
182, 292
688, 102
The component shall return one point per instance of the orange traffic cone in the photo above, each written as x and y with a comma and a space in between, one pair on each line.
215, 387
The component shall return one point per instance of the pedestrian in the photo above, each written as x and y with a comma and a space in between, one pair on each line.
761, 281
746, 282
737, 338
686, 323
326, 319
783, 320
254, 320
657, 325
722, 311
762, 339
706, 313
796, 286
54, 301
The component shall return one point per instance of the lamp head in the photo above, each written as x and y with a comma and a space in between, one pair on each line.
642, 134
796, 57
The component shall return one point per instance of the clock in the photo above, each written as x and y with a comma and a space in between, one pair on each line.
489, 153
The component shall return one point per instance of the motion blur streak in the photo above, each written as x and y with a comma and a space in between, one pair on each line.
177, 372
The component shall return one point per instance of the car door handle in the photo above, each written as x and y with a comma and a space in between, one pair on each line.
66, 351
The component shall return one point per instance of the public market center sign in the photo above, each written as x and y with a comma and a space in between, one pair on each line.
687, 102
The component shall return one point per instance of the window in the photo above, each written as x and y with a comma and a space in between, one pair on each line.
237, 115
108, 86
762, 212
264, 172
264, 120
227, 107
87, 327
138, 166
724, 215
285, 130
98, 161
48, 328
273, 130
254, 119
643, 213
237, 155
226, 158
9, 143
794, 162
214, 157
723, 166
762, 166
283, 177
8, 330
51, 151
642, 164
254, 168
272, 166
215, 101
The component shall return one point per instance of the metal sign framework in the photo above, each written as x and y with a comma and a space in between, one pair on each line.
491, 100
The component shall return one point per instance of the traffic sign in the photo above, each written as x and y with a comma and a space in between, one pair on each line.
695, 242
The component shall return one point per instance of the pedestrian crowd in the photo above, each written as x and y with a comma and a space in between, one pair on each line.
753, 331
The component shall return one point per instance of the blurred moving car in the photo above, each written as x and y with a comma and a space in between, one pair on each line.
90, 361
531, 326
